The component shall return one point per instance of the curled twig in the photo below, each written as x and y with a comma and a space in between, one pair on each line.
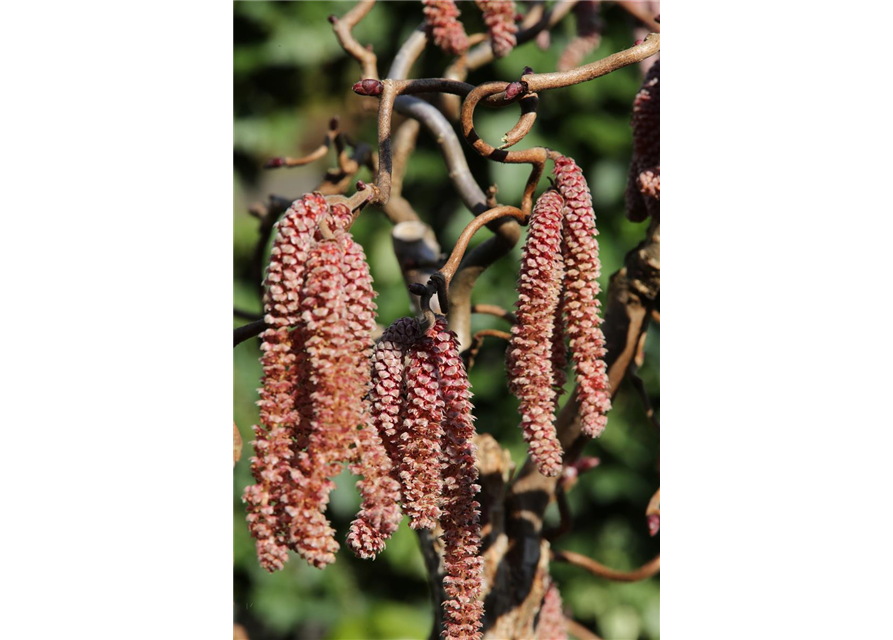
471, 228
477, 341
647, 570
320, 152
343, 26
537, 82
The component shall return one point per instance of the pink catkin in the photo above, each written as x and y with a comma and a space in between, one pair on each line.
379, 513
446, 31
559, 348
267, 519
499, 16
461, 512
551, 625
643, 187
420, 436
530, 352
582, 269
589, 35
334, 401
386, 393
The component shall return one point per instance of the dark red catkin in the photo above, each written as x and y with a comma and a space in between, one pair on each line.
583, 323
643, 187
531, 352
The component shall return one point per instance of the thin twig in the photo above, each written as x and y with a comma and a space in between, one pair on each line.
344, 25
647, 570
538, 82
478, 341
495, 310
525, 123
246, 331
471, 228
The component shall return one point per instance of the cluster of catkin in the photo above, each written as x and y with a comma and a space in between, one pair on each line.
398, 414
449, 34
643, 187
421, 406
557, 299
320, 314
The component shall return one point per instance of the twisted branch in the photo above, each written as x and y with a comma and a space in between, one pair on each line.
343, 26
647, 570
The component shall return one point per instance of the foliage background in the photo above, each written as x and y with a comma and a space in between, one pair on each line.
290, 76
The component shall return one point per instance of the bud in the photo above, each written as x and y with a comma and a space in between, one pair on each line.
368, 87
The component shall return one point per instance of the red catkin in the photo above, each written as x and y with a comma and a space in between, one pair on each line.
551, 625
420, 436
461, 512
530, 353
582, 269
589, 35
443, 27
643, 187
499, 16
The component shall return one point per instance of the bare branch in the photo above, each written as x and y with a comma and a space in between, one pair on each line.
246, 331
538, 82
647, 570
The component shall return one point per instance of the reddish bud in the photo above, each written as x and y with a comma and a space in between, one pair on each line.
368, 87
333, 18
638, 42
654, 524
273, 163
515, 89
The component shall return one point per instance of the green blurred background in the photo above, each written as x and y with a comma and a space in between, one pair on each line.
290, 76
